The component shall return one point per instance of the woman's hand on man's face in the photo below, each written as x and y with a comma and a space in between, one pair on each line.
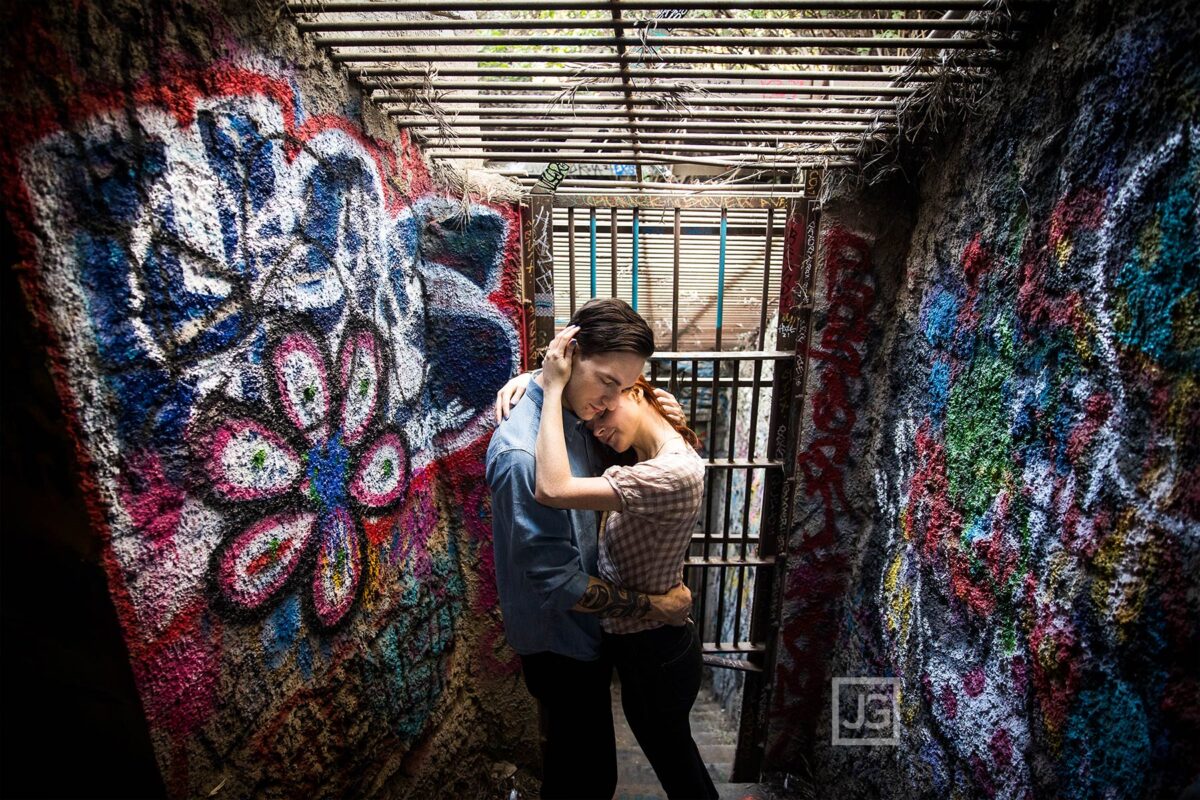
556, 366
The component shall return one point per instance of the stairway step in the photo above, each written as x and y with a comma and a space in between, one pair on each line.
703, 737
718, 753
743, 791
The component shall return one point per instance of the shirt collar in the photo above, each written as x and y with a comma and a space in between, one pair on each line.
536, 394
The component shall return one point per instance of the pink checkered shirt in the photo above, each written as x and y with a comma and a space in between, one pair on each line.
642, 546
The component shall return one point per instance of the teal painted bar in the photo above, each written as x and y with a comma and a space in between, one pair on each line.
635, 258
721, 273
593, 221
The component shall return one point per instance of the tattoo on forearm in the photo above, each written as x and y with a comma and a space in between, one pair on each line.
609, 601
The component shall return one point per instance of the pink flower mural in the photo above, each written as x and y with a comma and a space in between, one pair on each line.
291, 493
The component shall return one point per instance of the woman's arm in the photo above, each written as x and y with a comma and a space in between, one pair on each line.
555, 485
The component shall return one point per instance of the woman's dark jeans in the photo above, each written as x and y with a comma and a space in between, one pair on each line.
660, 672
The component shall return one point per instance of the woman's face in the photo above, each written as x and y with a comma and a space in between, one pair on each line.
618, 426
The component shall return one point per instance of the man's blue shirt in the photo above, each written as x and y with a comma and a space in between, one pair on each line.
543, 555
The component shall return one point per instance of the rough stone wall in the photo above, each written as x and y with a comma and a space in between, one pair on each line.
999, 485
276, 343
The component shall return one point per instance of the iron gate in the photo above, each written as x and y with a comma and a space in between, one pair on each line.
720, 260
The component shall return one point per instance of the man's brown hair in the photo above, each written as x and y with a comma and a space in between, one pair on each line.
608, 325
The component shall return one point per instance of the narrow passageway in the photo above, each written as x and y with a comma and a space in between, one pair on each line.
922, 275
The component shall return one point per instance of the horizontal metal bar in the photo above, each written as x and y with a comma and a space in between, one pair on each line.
638, 71
555, 138
716, 561
881, 42
731, 647
572, 182
723, 355
740, 102
799, 162
744, 23
437, 56
360, 6
723, 383
566, 152
526, 127
731, 463
675, 199
712, 538
508, 87
713, 660
599, 116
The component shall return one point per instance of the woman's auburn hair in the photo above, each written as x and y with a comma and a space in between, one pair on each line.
681, 428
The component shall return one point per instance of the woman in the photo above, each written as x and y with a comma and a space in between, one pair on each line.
652, 508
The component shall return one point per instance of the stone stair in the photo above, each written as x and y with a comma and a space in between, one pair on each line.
715, 736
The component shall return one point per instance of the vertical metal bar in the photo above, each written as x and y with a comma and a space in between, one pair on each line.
721, 276
541, 211
613, 249
766, 292
592, 216
731, 452
709, 480
571, 253
675, 309
695, 369
635, 260
675, 289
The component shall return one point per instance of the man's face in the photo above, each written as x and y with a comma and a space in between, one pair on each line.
597, 382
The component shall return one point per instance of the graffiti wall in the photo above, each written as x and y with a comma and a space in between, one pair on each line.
999, 489
276, 343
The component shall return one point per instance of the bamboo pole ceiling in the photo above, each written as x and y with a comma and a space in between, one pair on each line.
734, 87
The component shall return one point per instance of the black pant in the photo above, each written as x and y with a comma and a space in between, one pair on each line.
579, 750
660, 672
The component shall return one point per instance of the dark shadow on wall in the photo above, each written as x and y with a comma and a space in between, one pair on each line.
71, 724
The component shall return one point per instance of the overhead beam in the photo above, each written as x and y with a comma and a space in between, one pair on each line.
565, 152
659, 42
564, 116
549, 99
436, 85
439, 56
744, 23
372, 6
639, 71
548, 126
643, 136
798, 162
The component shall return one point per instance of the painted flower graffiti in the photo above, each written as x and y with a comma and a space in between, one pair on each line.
279, 358
333, 459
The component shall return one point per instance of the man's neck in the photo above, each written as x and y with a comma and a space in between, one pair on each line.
565, 403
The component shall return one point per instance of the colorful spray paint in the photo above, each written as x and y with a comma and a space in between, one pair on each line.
278, 345
1010, 527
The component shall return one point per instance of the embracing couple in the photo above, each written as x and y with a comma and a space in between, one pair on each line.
596, 489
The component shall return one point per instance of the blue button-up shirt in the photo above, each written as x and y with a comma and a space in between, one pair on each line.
543, 555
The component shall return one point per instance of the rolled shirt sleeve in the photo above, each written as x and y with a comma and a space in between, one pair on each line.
667, 487
541, 538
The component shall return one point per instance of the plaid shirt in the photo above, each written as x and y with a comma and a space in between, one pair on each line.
642, 546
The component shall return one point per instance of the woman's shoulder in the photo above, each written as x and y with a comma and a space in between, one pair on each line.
683, 461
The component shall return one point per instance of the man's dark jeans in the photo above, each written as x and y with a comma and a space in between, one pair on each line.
579, 750
660, 671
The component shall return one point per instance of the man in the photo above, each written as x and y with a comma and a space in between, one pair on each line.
546, 559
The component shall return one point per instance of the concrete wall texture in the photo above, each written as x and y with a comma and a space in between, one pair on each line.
277, 344
999, 486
